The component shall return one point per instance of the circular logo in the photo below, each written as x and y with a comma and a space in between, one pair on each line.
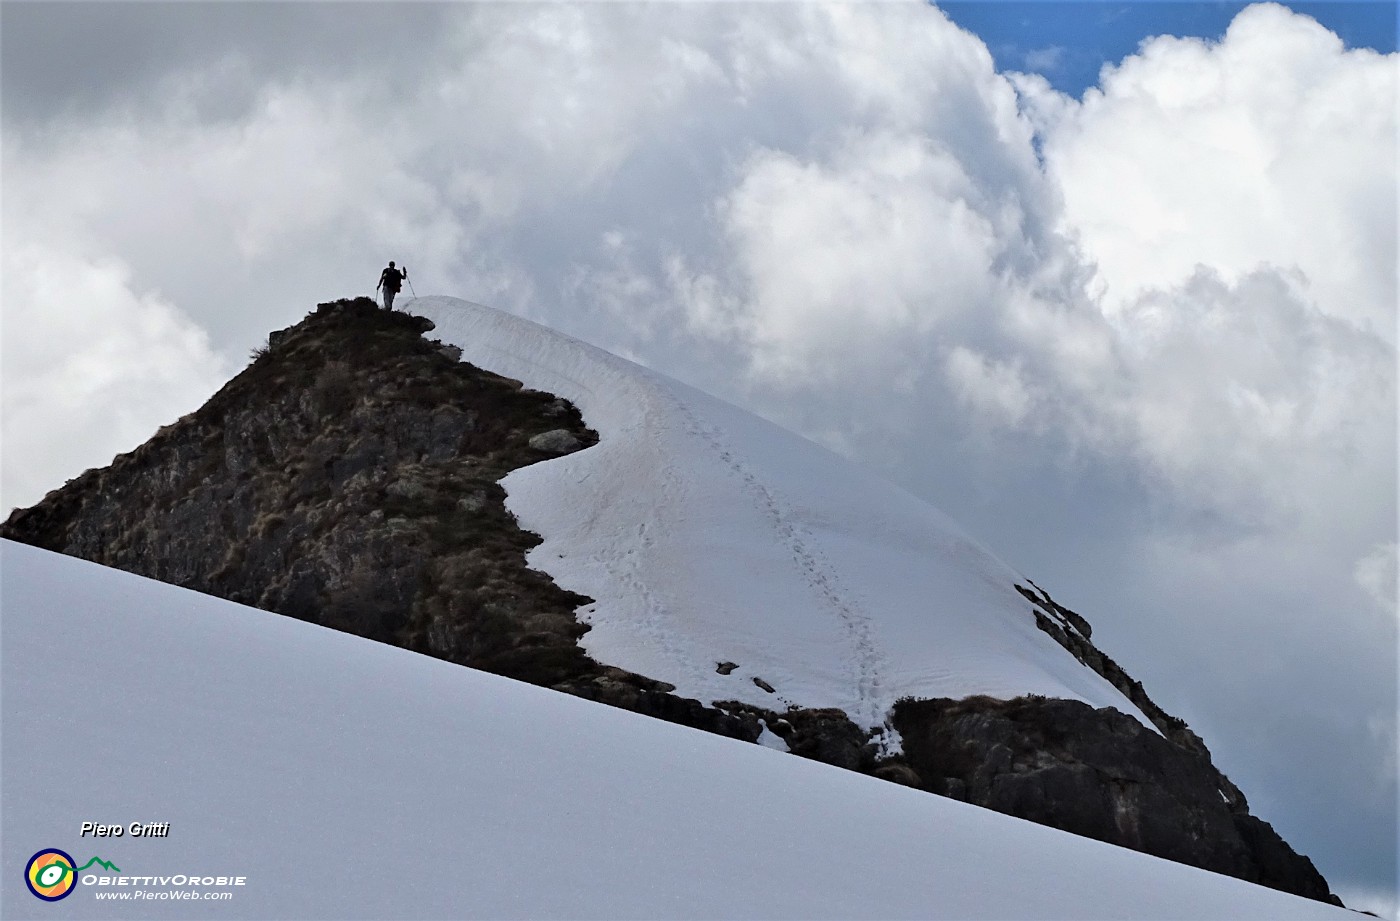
49, 874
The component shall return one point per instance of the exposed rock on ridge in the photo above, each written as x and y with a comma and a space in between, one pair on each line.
1101, 774
349, 477
1072, 632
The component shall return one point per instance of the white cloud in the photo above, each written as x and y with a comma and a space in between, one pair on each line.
1377, 573
1048, 59
1246, 397
91, 368
989, 387
844, 258
1274, 147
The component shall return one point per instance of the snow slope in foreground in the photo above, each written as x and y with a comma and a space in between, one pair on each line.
347, 779
708, 535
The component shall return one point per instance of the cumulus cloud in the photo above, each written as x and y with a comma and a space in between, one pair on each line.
1270, 148
845, 258
1247, 398
1229, 332
92, 367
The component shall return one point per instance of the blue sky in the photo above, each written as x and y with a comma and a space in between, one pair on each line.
1067, 43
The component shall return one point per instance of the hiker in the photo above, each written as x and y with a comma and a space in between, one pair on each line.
391, 279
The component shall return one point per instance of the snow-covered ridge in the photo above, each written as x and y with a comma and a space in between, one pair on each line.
708, 535
343, 778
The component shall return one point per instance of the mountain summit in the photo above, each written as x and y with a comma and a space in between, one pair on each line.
511, 499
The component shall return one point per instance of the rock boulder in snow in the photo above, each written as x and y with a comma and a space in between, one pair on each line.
556, 441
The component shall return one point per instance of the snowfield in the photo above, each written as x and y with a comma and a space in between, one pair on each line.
708, 535
342, 778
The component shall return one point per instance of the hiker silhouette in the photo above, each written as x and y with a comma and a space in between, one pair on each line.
391, 280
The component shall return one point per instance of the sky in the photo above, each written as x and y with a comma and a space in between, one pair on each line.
1126, 310
1068, 43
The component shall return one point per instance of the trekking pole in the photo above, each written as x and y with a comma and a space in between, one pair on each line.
410, 286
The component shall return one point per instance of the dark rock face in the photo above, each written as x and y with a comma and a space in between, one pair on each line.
349, 477
1101, 774
1072, 632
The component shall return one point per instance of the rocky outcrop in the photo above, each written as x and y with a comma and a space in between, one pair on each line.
1073, 632
347, 477
350, 477
1097, 773
556, 441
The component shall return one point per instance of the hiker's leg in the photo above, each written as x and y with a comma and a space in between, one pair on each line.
389, 299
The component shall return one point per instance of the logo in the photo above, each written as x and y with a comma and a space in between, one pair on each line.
51, 874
